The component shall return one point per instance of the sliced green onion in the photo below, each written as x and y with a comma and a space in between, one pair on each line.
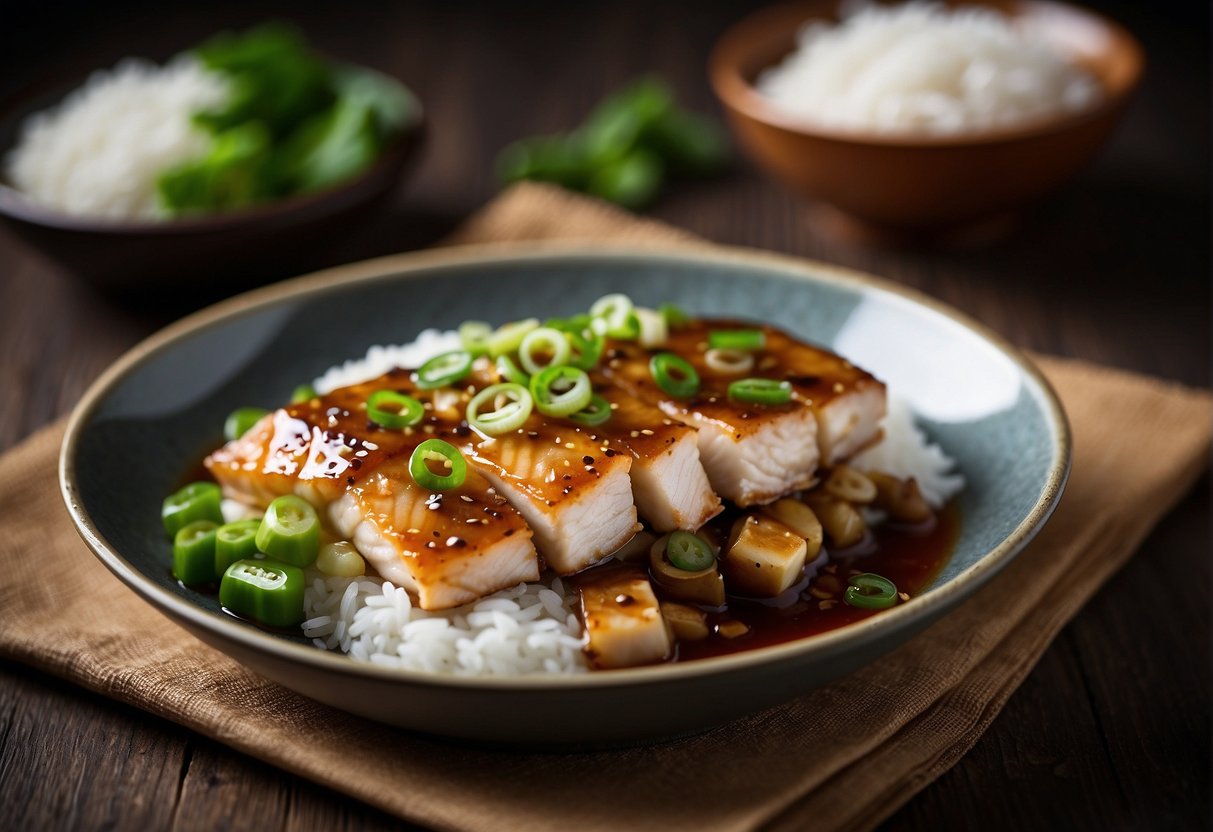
194, 553
508, 337
435, 450
870, 591
612, 316
653, 329
689, 552
594, 413
474, 336
233, 542
393, 410
303, 393
586, 344
760, 391
509, 371
196, 501
729, 362
559, 391
239, 421
289, 531
674, 316
674, 375
267, 592
511, 405
444, 369
540, 341
750, 340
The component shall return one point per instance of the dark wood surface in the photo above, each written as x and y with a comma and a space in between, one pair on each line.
1110, 731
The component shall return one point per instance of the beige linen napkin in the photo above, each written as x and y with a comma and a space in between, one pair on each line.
841, 757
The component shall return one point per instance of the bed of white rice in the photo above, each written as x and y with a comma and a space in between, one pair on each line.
921, 67
530, 628
100, 152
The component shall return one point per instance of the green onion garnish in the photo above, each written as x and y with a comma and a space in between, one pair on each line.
444, 369
393, 410
594, 413
196, 501
674, 375
194, 553
240, 420
612, 315
540, 342
674, 316
233, 542
870, 591
435, 450
508, 337
689, 552
760, 391
303, 393
653, 330
474, 336
289, 531
750, 340
268, 592
509, 371
586, 344
559, 391
511, 405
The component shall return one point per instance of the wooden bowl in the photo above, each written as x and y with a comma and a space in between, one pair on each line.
903, 187
221, 252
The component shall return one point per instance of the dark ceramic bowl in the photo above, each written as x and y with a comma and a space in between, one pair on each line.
901, 187
222, 250
162, 406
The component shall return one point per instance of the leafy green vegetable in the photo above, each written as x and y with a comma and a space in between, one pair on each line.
232, 175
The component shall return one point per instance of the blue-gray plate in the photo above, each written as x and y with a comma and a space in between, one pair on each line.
161, 407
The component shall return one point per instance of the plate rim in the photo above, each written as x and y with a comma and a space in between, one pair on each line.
413, 265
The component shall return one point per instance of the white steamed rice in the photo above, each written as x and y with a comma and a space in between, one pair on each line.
922, 68
100, 152
530, 628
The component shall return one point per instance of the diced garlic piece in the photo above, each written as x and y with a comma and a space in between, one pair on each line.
764, 556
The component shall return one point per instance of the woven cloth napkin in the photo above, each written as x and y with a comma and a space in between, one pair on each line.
841, 757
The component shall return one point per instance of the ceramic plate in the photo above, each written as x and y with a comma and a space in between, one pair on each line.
163, 404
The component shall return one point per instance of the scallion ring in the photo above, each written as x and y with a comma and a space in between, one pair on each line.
674, 375
586, 344
613, 316
653, 329
870, 591
729, 362
508, 337
303, 393
511, 405
435, 450
509, 371
760, 391
474, 336
541, 341
673, 314
594, 413
689, 552
393, 410
737, 339
239, 422
441, 370
559, 391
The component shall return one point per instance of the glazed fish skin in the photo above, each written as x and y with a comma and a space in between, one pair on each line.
757, 453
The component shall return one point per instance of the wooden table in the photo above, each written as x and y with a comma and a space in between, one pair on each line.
1110, 731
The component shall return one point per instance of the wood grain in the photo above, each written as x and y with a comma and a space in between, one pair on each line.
1110, 731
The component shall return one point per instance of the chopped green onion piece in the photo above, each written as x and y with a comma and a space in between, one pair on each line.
612, 316
674, 316
870, 591
750, 340
444, 369
240, 420
267, 592
509, 371
586, 344
435, 450
508, 337
511, 405
340, 560
729, 362
474, 336
393, 410
289, 531
197, 501
689, 552
194, 553
760, 391
559, 391
303, 393
674, 375
233, 542
594, 413
543, 340
653, 329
